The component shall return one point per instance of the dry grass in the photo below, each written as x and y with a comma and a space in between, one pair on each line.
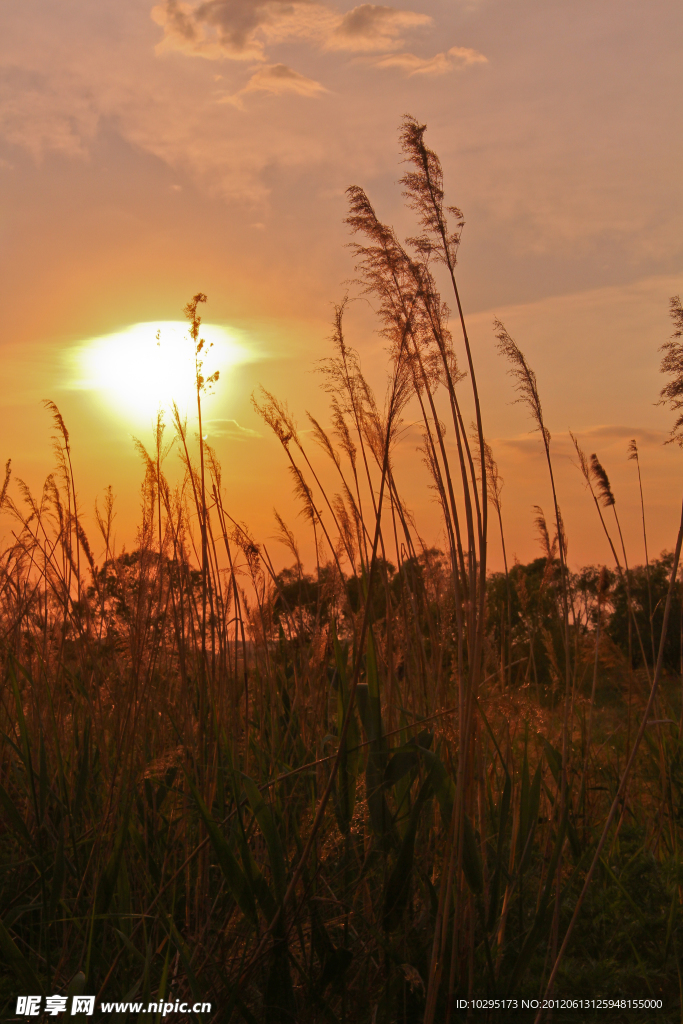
355, 794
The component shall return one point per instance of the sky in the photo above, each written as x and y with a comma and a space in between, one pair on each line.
152, 151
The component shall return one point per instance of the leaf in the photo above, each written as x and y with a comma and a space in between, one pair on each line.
345, 789
542, 919
398, 885
441, 781
554, 758
367, 697
255, 880
15, 819
573, 837
232, 872
523, 799
21, 721
399, 765
279, 1005
185, 954
130, 946
529, 816
76, 985
266, 820
337, 963
107, 880
244, 1010
17, 962
493, 737
83, 771
42, 779
424, 739
146, 855
503, 814
471, 858
57, 746
57, 879
371, 667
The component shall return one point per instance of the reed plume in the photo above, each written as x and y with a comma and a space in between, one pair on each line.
602, 483
672, 364
549, 550
424, 192
589, 476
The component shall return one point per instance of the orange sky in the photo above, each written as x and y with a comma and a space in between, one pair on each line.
148, 152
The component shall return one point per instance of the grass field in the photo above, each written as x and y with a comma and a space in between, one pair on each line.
360, 791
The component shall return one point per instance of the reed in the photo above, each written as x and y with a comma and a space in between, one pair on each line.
358, 791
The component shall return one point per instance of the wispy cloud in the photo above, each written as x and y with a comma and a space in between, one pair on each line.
230, 429
372, 27
28, 116
440, 64
242, 29
606, 435
238, 29
276, 80
613, 433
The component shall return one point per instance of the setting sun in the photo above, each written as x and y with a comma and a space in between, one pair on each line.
151, 365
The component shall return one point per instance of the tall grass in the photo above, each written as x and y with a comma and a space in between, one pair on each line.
364, 792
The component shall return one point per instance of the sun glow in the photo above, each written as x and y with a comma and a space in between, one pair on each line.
151, 365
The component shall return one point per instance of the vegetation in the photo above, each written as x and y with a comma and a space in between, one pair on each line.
359, 792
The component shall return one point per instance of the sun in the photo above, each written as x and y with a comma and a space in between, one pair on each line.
151, 365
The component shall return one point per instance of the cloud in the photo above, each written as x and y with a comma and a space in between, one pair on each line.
28, 116
612, 433
545, 166
588, 437
371, 27
276, 79
440, 64
230, 429
241, 29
